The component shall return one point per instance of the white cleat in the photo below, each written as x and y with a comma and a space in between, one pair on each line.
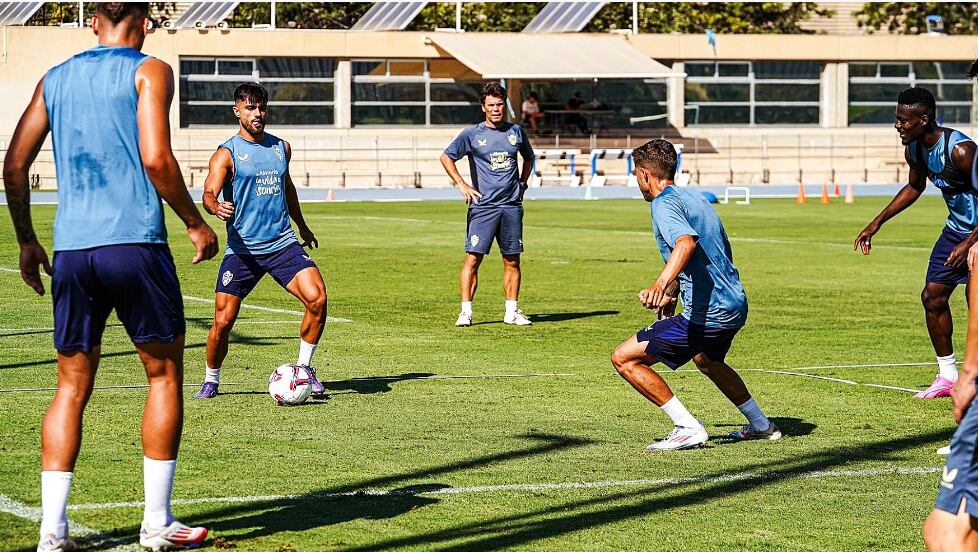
517, 318
944, 451
681, 438
464, 320
51, 543
175, 535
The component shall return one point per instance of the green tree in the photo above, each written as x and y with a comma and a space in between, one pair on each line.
58, 13
477, 16
696, 17
910, 17
299, 15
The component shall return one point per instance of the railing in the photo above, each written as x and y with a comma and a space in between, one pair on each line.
408, 160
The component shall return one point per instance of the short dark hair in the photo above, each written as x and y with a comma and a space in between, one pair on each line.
973, 72
251, 91
916, 96
493, 89
657, 156
117, 11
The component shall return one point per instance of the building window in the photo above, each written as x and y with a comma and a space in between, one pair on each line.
300, 90
608, 104
752, 93
415, 92
874, 87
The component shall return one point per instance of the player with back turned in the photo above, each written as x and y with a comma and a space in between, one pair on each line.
107, 109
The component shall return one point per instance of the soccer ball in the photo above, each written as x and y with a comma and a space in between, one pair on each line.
289, 385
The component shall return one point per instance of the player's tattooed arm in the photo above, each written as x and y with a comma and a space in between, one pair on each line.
306, 236
656, 296
219, 172
27, 140
963, 392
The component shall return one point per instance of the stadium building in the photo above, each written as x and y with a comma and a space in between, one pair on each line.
374, 106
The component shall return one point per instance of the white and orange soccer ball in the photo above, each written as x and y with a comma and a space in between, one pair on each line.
289, 385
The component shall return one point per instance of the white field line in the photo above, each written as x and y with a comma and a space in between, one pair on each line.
774, 241
531, 487
885, 365
93, 537
211, 301
380, 378
826, 378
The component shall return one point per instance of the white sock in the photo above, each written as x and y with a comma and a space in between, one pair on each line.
948, 366
511, 306
158, 487
54, 502
758, 421
306, 350
212, 375
467, 307
678, 414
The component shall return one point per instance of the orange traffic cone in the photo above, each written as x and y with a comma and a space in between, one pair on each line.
850, 196
329, 195
836, 190
801, 199
825, 194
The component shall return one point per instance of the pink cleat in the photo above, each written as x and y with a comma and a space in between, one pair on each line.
940, 388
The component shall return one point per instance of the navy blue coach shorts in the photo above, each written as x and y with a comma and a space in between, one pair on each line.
674, 341
139, 281
239, 274
503, 224
959, 479
936, 271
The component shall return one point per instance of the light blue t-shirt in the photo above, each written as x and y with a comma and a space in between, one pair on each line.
492, 161
955, 185
709, 285
260, 224
104, 194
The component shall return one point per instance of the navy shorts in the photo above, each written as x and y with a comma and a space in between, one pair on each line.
936, 271
503, 224
139, 281
674, 341
239, 274
959, 479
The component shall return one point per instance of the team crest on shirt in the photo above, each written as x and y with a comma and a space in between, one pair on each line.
474, 240
243, 158
481, 141
512, 139
279, 153
227, 277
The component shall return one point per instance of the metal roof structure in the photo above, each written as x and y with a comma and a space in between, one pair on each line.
388, 16
204, 14
564, 17
17, 13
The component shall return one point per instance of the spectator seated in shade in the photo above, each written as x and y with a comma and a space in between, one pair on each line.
574, 104
531, 111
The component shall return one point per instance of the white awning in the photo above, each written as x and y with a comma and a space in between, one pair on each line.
550, 56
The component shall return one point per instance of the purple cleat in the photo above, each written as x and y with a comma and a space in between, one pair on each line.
941, 387
207, 391
317, 387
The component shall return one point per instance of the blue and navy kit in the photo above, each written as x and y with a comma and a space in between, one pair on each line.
955, 185
710, 287
260, 224
109, 236
492, 161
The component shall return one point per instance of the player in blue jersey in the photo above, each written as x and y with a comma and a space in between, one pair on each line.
699, 262
953, 524
251, 172
107, 109
945, 156
495, 199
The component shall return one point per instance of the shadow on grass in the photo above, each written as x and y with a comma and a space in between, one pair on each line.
369, 386
790, 427
342, 503
555, 317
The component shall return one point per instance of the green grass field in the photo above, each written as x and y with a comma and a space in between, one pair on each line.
468, 461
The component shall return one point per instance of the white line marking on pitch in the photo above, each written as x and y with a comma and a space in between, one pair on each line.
32, 514
379, 378
243, 305
885, 365
574, 485
826, 378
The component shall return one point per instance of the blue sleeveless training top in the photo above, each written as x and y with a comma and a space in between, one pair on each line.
955, 185
104, 195
261, 216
